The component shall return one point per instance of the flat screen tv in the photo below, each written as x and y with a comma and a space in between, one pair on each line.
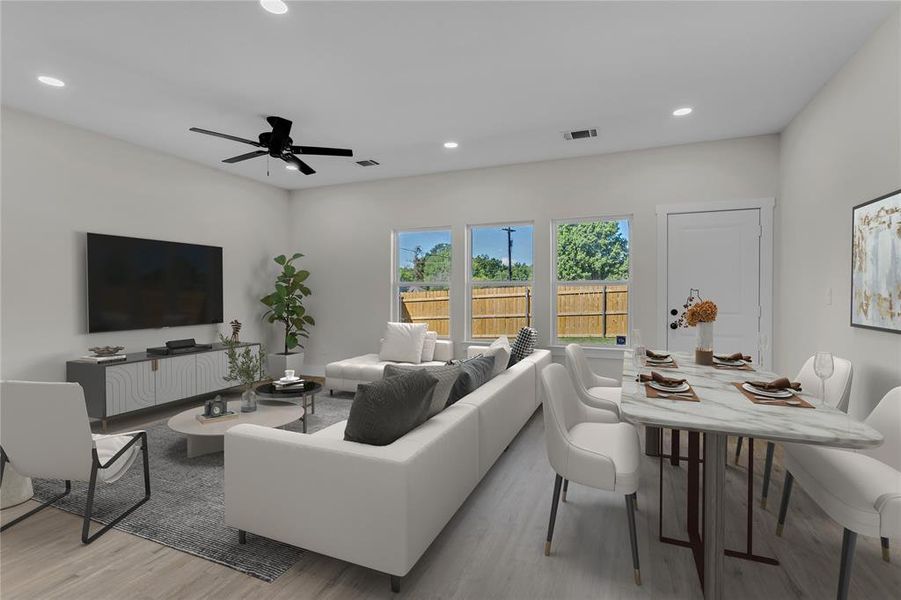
135, 283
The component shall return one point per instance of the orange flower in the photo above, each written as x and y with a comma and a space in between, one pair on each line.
702, 312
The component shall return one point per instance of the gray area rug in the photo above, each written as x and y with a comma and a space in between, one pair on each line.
186, 510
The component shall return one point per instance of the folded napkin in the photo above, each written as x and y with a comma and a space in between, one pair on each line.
777, 384
661, 379
736, 356
655, 355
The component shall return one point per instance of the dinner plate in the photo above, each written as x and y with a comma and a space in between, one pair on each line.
729, 363
770, 394
672, 390
661, 361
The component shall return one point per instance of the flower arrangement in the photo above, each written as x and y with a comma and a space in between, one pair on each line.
700, 312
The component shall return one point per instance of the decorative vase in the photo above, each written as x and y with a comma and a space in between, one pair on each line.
248, 401
704, 348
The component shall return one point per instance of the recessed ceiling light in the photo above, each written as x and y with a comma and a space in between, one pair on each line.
291, 167
451, 145
681, 112
276, 7
51, 81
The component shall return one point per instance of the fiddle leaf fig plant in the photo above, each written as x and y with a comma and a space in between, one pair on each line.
285, 303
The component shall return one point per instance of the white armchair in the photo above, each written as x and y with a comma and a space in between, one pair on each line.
594, 390
860, 490
589, 446
45, 433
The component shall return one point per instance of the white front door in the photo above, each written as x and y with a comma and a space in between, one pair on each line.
717, 253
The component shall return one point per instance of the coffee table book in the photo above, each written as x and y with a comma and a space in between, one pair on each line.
223, 417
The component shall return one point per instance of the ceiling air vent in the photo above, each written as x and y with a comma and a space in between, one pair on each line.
581, 134
367, 163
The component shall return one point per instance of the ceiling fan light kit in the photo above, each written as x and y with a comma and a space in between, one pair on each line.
278, 144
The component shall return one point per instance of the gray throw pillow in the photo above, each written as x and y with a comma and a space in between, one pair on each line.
386, 410
473, 374
445, 374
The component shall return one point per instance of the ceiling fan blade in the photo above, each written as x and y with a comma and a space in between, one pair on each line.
226, 136
280, 126
247, 156
301, 166
316, 150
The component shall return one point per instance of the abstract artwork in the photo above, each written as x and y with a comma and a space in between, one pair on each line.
876, 264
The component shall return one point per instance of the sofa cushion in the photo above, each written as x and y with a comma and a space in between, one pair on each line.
445, 374
385, 410
403, 342
473, 374
523, 346
428, 346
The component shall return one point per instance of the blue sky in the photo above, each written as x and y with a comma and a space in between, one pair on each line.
485, 240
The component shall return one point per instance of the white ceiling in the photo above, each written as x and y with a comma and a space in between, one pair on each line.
395, 80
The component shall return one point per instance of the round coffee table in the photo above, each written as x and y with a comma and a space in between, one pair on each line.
206, 438
309, 390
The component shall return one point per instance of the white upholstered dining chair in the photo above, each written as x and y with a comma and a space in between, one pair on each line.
859, 489
588, 446
594, 390
45, 433
838, 395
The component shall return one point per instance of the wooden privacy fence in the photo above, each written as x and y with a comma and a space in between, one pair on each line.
583, 311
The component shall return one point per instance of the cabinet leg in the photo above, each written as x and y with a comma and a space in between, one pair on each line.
395, 584
103, 425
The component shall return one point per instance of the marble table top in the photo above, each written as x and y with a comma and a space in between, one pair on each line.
723, 409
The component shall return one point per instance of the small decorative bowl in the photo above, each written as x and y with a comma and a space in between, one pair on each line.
106, 350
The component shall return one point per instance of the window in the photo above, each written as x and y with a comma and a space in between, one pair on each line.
422, 272
499, 280
591, 281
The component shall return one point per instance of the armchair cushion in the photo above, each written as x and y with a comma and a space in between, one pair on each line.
592, 443
107, 446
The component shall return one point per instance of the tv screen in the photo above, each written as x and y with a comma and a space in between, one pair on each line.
141, 284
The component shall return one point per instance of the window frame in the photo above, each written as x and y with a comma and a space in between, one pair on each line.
471, 283
396, 283
556, 283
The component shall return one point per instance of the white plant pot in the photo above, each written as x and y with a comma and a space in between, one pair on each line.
279, 362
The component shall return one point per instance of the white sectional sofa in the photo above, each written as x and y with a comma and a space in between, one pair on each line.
376, 506
345, 375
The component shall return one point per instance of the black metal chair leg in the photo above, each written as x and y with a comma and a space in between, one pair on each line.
885, 553
39, 508
786, 495
849, 540
738, 444
89, 505
633, 536
558, 482
767, 470
395, 584
565, 488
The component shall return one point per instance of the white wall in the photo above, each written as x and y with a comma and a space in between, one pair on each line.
843, 149
59, 182
346, 230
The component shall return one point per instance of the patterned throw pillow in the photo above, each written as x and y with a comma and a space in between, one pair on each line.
523, 346
445, 374
474, 373
386, 410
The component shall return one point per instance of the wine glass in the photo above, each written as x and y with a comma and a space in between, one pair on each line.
764, 343
638, 359
636, 338
824, 367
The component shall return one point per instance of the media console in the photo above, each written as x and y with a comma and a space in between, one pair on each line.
144, 380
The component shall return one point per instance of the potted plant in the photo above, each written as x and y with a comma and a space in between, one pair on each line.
285, 306
245, 367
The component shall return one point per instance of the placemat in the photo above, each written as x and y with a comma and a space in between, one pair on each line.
776, 401
653, 393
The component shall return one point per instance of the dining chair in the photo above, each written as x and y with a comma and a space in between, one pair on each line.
838, 394
594, 390
859, 489
588, 446
45, 433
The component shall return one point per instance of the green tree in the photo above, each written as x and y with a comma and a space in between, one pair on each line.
434, 265
592, 250
487, 268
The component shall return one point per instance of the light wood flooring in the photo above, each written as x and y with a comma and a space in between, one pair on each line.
492, 548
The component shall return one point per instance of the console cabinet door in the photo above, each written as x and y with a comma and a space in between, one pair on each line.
129, 387
175, 378
211, 370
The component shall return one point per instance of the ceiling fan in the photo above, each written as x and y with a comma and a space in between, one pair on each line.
277, 144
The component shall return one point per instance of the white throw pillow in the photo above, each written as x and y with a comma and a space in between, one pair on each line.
403, 342
500, 350
428, 346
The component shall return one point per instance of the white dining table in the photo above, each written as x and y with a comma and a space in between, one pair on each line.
724, 411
